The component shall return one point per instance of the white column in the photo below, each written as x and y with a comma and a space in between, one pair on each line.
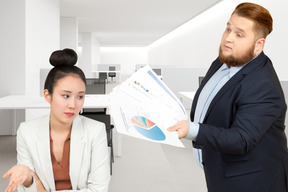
42, 24
90, 53
69, 33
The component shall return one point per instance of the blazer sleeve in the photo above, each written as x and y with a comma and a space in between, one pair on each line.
23, 155
258, 107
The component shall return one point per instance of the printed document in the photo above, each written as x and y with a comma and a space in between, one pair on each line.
144, 107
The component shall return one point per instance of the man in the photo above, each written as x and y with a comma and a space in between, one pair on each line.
238, 112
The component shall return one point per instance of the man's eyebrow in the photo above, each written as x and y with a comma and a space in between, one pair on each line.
237, 28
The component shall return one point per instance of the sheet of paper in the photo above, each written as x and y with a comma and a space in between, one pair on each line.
144, 107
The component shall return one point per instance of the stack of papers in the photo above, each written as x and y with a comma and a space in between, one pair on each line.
144, 107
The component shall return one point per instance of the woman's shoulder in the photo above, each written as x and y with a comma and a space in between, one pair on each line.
91, 127
31, 127
35, 122
91, 124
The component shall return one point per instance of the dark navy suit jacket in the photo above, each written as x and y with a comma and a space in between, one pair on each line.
242, 137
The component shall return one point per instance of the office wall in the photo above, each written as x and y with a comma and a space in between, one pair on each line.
12, 65
29, 33
196, 43
128, 57
12, 38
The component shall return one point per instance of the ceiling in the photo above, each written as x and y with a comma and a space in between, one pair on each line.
131, 22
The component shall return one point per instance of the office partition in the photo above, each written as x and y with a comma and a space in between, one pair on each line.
182, 80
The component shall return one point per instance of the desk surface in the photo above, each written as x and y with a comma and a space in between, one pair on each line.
105, 71
187, 95
37, 102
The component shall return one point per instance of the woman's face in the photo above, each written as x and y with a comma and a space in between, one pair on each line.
67, 100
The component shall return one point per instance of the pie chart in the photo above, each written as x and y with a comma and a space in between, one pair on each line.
147, 128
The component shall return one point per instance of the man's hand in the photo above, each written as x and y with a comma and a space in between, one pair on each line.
182, 127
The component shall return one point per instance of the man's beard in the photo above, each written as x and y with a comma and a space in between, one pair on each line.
232, 61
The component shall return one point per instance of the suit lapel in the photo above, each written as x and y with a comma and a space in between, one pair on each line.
232, 82
252, 65
43, 147
214, 67
77, 146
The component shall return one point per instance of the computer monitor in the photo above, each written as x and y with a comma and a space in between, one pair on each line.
95, 86
112, 68
157, 71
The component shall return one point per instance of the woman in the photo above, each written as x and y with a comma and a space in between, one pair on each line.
62, 151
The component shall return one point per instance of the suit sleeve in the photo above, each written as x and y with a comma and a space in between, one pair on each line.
258, 109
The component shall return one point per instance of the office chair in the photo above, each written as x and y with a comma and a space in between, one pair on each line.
95, 86
103, 75
104, 118
112, 74
200, 79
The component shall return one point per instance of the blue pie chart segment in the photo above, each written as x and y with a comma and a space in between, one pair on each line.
147, 128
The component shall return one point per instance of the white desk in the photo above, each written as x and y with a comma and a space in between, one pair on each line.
16, 102
187, 95
37, 102
105, 71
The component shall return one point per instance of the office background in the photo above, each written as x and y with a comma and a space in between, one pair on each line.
32, 29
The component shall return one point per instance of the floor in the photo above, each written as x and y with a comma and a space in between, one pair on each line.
7, 157
143, 166
151, 167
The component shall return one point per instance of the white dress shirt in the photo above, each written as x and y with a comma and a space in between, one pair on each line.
212, 87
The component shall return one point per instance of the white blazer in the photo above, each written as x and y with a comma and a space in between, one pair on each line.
89, 157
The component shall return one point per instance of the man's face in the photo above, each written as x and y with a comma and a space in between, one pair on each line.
238, 42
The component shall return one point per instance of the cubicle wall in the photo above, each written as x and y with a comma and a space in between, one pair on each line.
43, 75
105, 67
153, 66
182, 80
284, 85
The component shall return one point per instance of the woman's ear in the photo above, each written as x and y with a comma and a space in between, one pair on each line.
47, 96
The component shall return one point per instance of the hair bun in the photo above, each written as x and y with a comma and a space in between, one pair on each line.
63, 57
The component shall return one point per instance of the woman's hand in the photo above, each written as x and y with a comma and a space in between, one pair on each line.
182, 128
19, 174
39, 185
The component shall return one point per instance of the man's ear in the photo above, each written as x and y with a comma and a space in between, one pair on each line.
259, 46
47, 96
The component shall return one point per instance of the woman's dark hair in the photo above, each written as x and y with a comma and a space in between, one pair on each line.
63, 62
